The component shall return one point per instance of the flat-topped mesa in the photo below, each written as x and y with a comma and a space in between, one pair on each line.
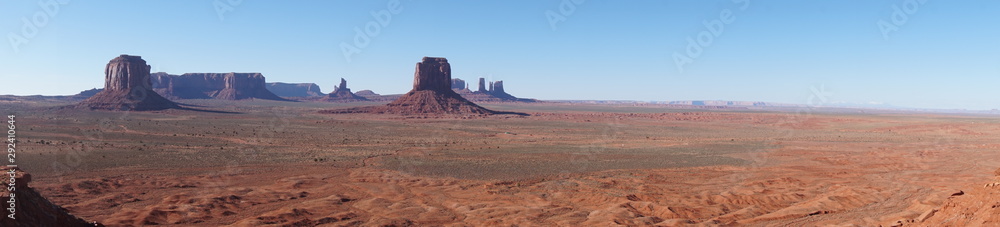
294, 89
126, 72
245, 86
245, 81
432, 74
498, 87
229, 86
127, 86
458, 84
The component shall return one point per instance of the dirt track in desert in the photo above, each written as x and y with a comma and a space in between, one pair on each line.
271, 163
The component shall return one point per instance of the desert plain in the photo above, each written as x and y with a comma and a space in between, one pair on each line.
273, 163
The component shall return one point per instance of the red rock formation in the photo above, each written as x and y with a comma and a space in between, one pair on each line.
229, 86
127, 86
495, 93
498, 86
343, 94
433, 74
498, 92
245, 86
31, 209
974, 206
431, 94
482, 85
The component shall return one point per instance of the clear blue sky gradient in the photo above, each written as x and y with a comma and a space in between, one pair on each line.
945, 55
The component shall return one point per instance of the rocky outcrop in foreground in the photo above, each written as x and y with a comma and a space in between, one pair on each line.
228, 86
127, 87
431, 94
294, 90
31, 209
976, 206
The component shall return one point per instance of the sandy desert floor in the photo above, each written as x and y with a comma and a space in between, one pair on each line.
284, 164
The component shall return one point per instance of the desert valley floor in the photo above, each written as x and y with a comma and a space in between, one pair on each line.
257, 163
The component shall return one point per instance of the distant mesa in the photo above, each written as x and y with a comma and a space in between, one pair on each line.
718, 103
493, 92
431, 94
87, 93
375, 97
496, 89
294, 89
33, 209
364, 93
127, 87
227, 86
343, 94
243, 86
459, 84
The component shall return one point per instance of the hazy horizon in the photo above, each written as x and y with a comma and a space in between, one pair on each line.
907, 53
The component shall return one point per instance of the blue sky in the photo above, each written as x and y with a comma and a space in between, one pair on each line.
945, 54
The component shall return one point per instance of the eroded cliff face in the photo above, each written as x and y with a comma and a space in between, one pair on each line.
245, 86
127, 86
228, 86
432, 74
126, 72
482, 85
974, 206
31, 209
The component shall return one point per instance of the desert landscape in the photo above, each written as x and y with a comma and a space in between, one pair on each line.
397, 113
433, 158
